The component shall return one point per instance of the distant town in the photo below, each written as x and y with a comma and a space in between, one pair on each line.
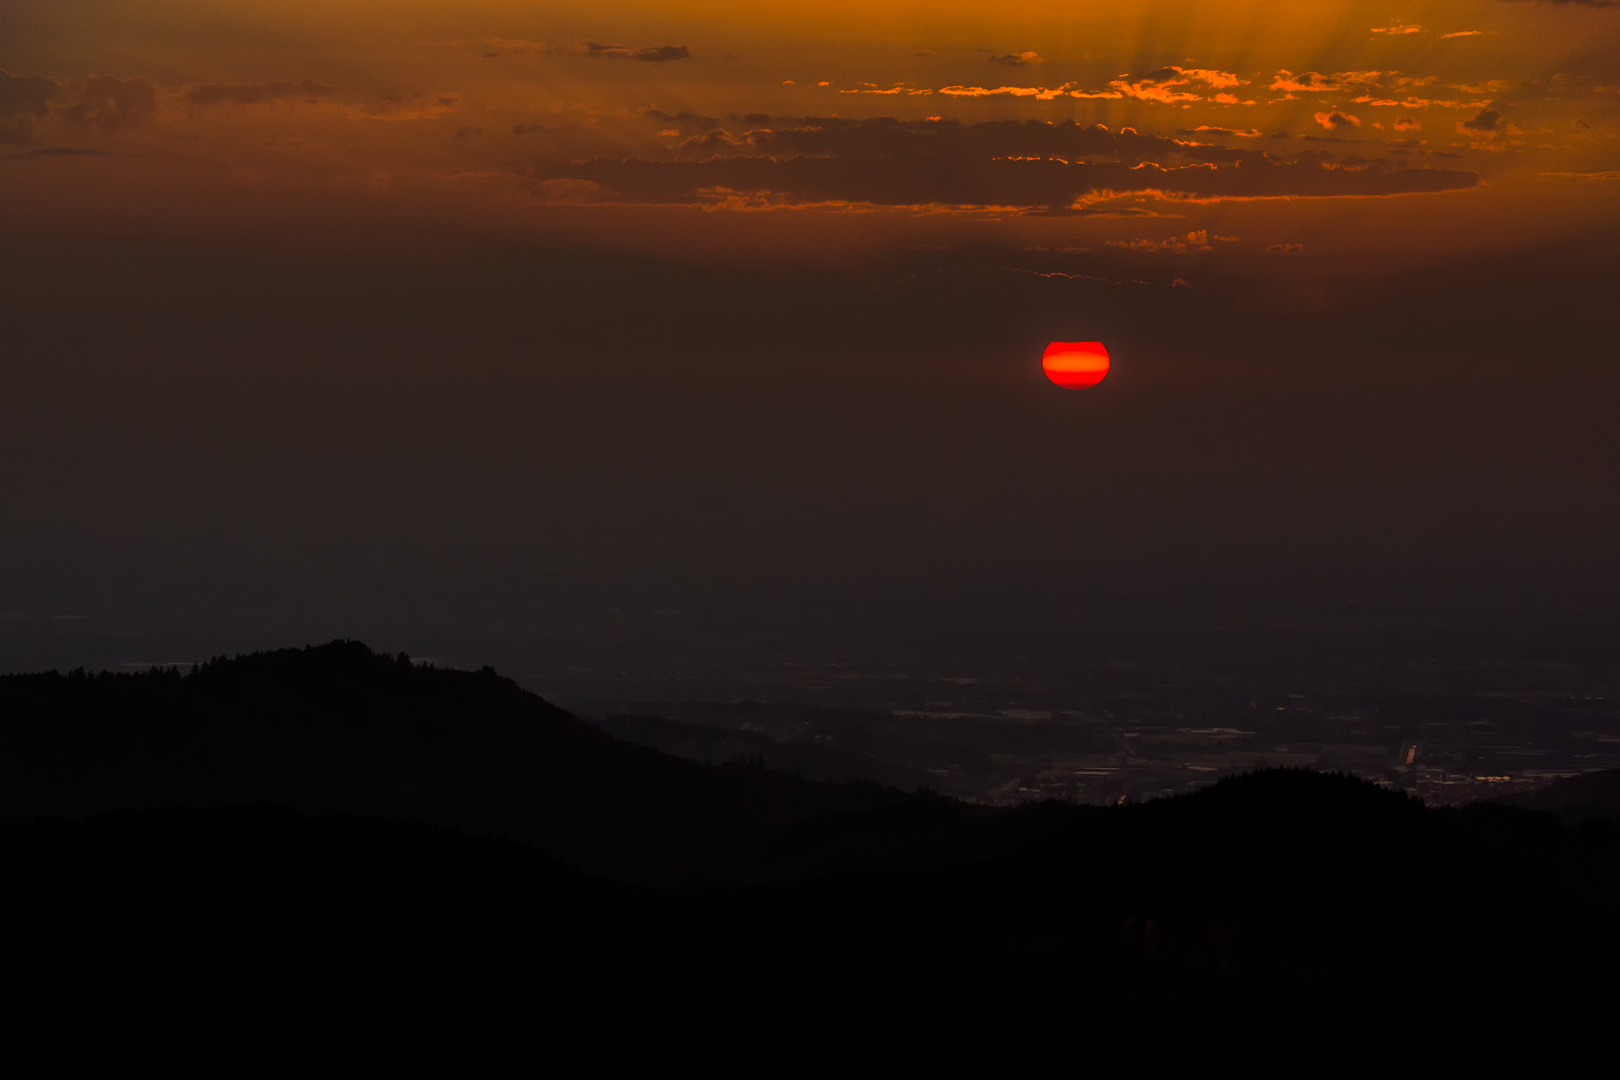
1448, 736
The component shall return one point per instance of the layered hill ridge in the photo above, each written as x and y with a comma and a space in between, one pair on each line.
339, 728
1575, 799
1280, 908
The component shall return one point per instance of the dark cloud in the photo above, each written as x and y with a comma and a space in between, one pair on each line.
527, 129
1210, 129
1161, 85
958, 142
1484, 120
1031, 164
652, 55
254, 93
1023, 59
110, 103
24, 98
492, 48
684, 122
66, 151
26, 95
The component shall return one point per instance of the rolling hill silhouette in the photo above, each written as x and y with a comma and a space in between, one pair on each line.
1575, 798
338, 728
154, 881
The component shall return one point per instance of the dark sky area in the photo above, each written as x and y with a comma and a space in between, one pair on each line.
304, 340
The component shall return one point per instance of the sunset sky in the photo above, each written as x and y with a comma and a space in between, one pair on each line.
314, 312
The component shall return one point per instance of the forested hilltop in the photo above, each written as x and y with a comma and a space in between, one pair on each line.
339, 728
329, 838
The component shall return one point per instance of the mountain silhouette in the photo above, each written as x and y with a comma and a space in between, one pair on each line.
338, 728
329, 840
700, 742
1576, 798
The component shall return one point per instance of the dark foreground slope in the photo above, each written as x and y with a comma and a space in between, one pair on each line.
338, 728
1274, 911
1575, 798
1279, 911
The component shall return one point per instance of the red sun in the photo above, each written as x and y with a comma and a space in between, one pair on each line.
1075, 365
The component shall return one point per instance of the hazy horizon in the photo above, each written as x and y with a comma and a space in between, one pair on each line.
484, 331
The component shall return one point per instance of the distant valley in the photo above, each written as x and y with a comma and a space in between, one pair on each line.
333, 836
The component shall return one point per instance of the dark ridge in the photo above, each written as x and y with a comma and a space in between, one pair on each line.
338, 728
700, 742
1277, 913
1576, 798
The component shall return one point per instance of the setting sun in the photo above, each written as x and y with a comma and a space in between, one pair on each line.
1075, 365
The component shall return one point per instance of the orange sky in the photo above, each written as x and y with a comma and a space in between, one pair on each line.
1498, 109
724, 288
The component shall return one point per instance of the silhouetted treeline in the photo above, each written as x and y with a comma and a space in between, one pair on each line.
818, 760
1576, 799
1281, 910
338, 728
1284, 912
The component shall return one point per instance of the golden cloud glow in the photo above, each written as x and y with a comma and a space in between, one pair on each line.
498, 107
